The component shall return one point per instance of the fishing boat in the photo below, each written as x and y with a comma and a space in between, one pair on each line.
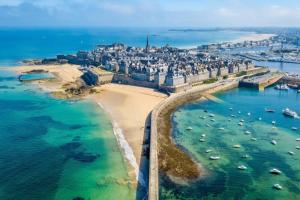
242, 167
275, 171
214, 157
289, 113
273, 142
282, 87
277, 186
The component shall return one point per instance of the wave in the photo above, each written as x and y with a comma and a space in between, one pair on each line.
127, 150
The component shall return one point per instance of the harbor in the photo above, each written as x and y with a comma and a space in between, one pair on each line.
263, 81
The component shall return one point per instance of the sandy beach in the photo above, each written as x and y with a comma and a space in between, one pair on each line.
64, 74
253, 37
129, 107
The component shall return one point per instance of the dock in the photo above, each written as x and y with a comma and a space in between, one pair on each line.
261, 82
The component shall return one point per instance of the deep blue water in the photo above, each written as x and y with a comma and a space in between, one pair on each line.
19, 44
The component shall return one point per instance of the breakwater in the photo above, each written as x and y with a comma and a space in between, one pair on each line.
164, 107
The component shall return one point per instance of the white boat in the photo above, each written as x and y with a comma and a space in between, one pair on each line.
239, 112
289, 113
214, 157
248, 114
221, 129
211, 115
298, 91
291, 153
260, 119
213, 120
189, 128
273, 142
237, 146
208, 151
275, 171
240, 124
282, 87
207, 125
202, 117
273, 122
298, 147
242, 167
277, 186
203, 135
294, 128
242, 120
269, 110
247, 132
202, 140
230, 108
232, 115
298, 139
253, 139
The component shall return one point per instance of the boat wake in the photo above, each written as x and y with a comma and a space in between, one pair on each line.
127, 150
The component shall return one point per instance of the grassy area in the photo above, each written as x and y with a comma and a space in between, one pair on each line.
243, 73
212, 80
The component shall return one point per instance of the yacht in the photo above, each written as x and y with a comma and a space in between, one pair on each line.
242, 167
214, 157
277, 186
275, 171
289, 113
282, 87
273, 142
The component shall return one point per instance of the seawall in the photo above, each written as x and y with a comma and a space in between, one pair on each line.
172, 103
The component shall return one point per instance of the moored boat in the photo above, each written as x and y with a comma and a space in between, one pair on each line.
291, 153
277, 186
275, 171
269, 110
189, 128
289, 113
273, 142
282, 87
214, 157
242, 167
237, 146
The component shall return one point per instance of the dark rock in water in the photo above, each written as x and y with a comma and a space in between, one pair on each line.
76, 139
78, 198
85, 157
74, 127
6, 87
70, 146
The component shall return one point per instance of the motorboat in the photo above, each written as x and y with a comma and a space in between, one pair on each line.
253, 139
260, 119
232, 115
242, 167
247, 132
230, 108
294, 128
275, 171
273, 142
221, 129
291, 153
240, 124
298, 91
298, 147
211, 115
298, 139
242, 120
207, 125
282, 87
189, 128
293, 86
289, 113
273, 122
208, 151
202, 140
202, 117
203, 135
214, 157
277, 186
237, 146
213, 120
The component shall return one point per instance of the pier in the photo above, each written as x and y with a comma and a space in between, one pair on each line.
261, 82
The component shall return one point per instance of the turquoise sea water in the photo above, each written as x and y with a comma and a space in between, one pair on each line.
56, 149
19, 44
222, 179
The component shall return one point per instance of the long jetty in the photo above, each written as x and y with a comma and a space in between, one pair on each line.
174, 101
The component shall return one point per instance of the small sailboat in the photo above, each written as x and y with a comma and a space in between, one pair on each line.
275, 171
277, 186
242, 167
214, 157
273, 142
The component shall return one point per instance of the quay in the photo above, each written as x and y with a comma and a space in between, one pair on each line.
261, 82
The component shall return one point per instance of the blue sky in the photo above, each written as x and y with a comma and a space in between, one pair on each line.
152, 13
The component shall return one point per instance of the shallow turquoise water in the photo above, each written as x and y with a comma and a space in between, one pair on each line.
35, 76
56, 149
222, 179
